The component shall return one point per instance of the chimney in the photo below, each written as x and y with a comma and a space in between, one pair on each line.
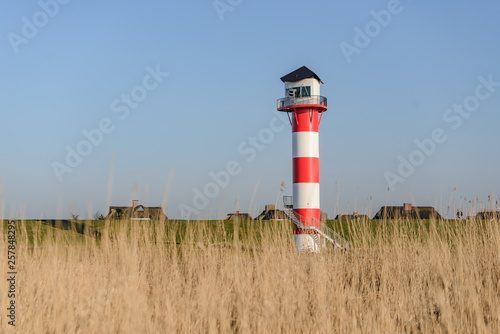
237, 212
407, 206
270, 207
135, 203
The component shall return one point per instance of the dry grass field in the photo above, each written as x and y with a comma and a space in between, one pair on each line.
196, 277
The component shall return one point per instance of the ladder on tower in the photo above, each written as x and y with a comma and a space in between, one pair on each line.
323, 230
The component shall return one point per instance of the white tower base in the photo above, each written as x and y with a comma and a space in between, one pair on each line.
305, 243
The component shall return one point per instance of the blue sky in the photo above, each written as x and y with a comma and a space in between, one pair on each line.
217, 68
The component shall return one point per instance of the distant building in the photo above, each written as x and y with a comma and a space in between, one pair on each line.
488, 214
354, 216
136, 212
407, 211
238, 216
271, 213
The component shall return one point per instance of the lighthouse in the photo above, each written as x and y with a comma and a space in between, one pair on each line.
304, 106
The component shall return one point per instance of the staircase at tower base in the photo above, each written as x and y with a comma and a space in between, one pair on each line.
313, 241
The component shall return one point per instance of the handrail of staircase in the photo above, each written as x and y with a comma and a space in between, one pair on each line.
324, 230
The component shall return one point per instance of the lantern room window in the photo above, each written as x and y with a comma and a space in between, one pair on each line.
304, 91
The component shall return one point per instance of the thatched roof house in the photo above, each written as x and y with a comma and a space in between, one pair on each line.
271, 213
407, 211
136, 212
238, 216
488, 214
354, 216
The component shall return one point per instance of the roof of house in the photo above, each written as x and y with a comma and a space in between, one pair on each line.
422, 212
300, 74
238, 216
353, 216
488, 214
140, 211
271, 214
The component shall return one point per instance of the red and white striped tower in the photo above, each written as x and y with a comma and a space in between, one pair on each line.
304, 106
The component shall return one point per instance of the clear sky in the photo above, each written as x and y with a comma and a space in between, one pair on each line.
170, 91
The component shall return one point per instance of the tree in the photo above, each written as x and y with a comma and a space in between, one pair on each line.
98, 216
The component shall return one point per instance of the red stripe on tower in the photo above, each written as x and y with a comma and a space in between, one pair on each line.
306, 169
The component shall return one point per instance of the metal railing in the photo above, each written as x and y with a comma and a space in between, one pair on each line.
323, 229
288, 201
295, 101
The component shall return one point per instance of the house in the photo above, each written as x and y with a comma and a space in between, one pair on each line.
488, 214
354, 216
407, 211
271, 213
136, 212
238, 216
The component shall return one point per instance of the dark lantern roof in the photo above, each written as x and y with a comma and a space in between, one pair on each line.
300, 74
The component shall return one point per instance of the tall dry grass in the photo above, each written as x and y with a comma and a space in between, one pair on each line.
139, 279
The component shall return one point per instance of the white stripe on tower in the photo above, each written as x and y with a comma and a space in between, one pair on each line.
307, 195
305, 144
